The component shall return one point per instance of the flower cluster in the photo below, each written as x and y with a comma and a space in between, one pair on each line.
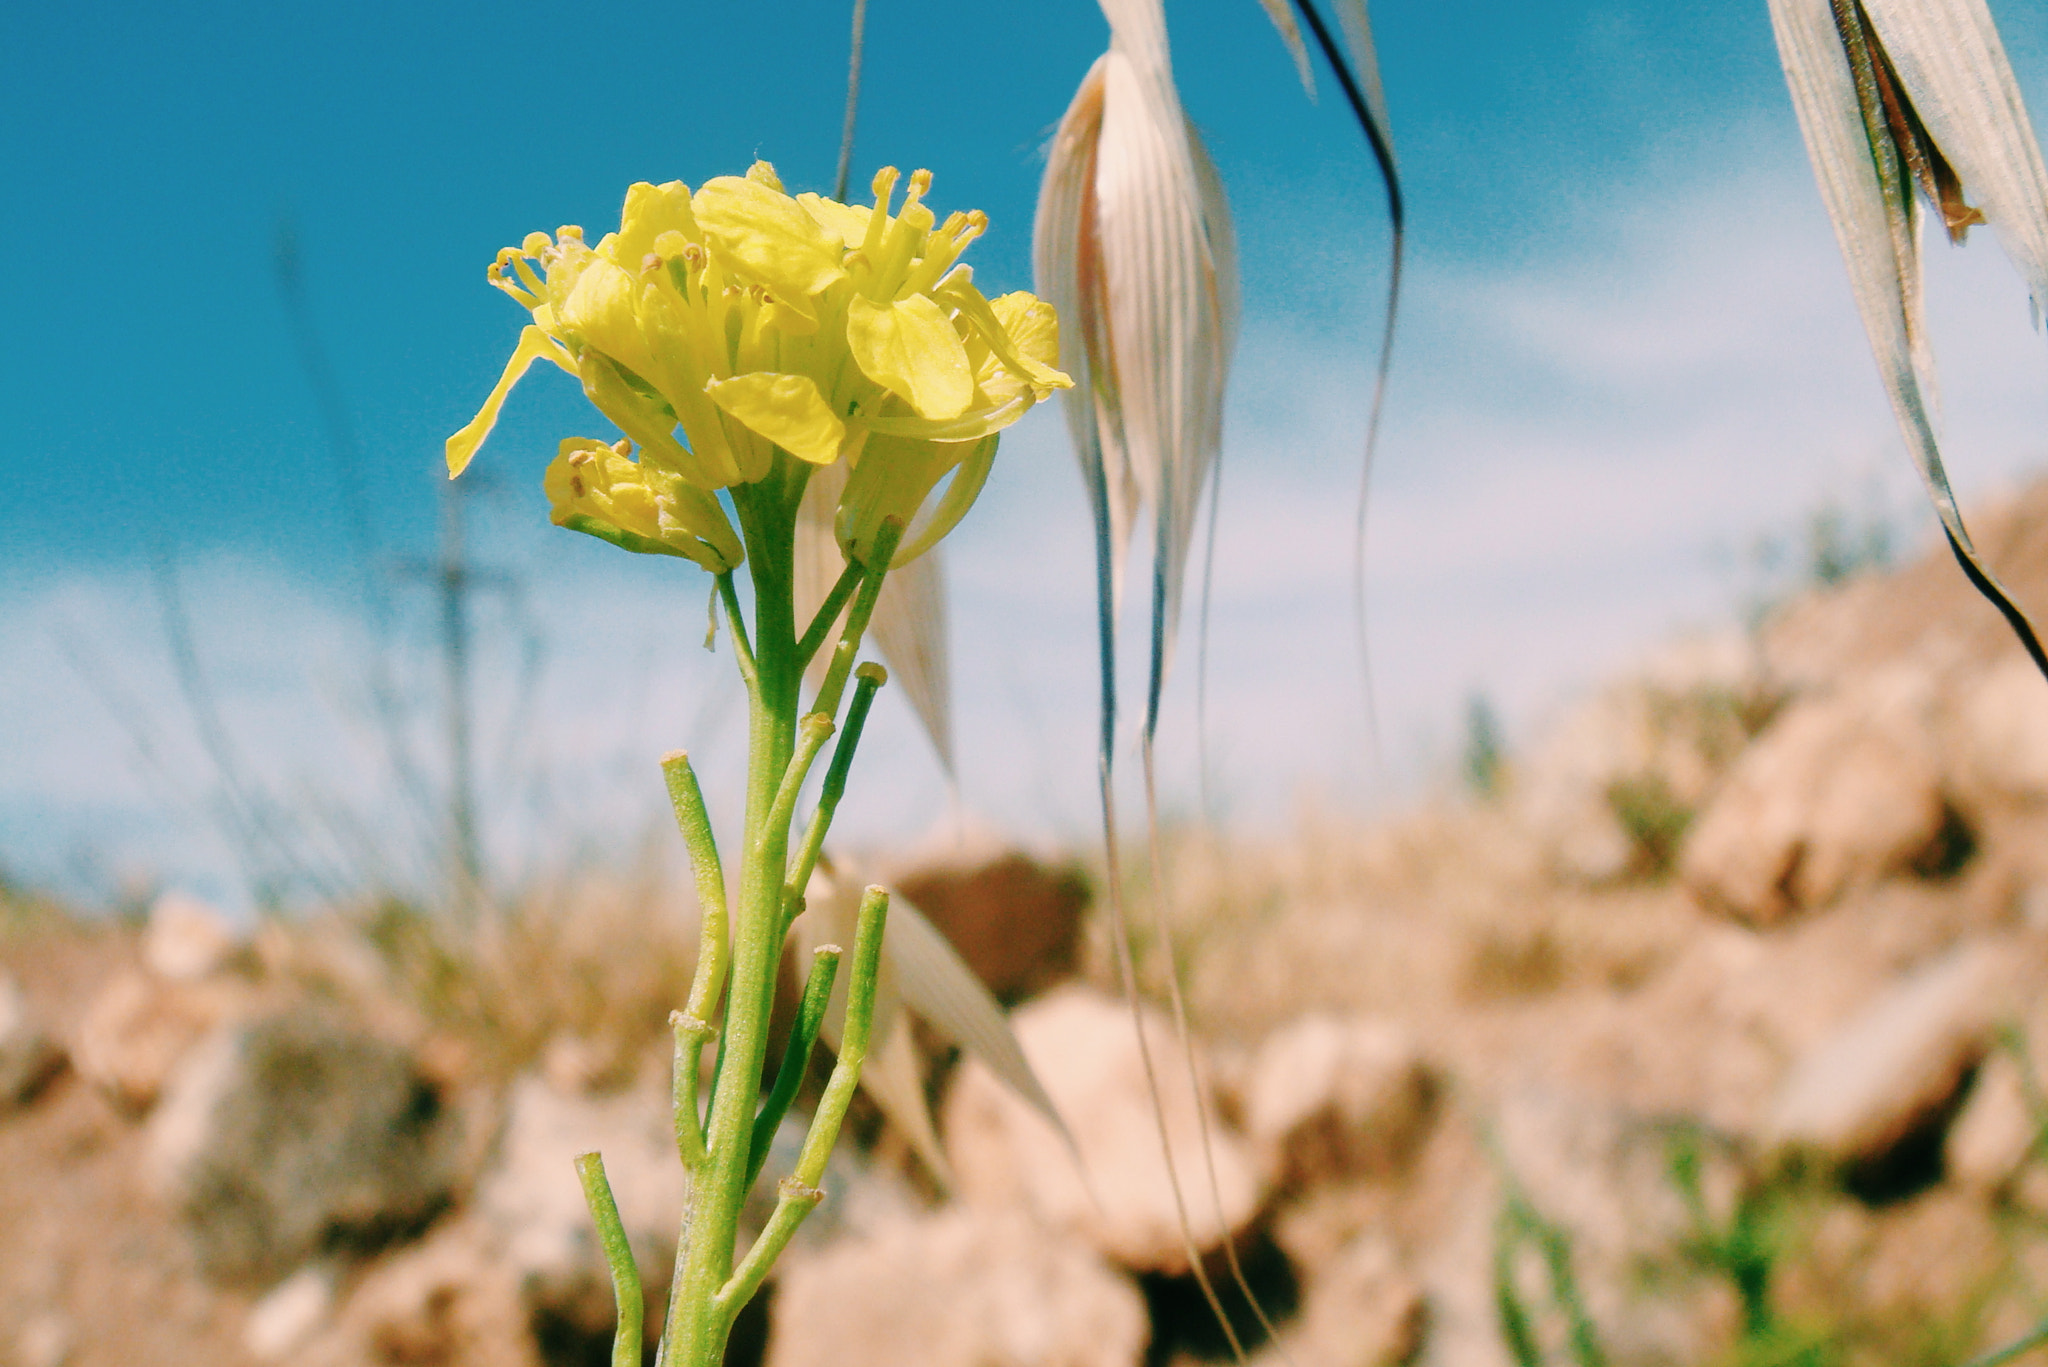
726, 329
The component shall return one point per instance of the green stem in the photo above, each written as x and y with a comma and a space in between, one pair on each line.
796, 1055
800, 1192
693, 1025
687, 1061
828, 612
628, 1337
782, 748
876, 568
697, 1326
812, 733
742, 648
867, 680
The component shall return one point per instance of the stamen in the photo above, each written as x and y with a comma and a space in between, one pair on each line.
535, 244
885, 190
529, 279
624, 446
569, 232
920, 186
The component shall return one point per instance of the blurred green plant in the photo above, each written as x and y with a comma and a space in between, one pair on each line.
1745, 1249
1519, 1230
1484, 759
1654, 820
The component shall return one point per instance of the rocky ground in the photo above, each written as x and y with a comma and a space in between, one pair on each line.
1716, 1034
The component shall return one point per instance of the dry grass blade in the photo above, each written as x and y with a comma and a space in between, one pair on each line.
937, 984
1358, 74
1290, 34
1133, 245
1948, 55
921, 971
1888, 102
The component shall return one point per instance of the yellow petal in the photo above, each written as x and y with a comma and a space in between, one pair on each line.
651, 211
847, 222
534, 345
788, 410
644, 418
909, 346
765, 238
604, 493
892, 480
602, 310
957, 292
692, 520
1034, 329
591, 481
969, 426
969, 477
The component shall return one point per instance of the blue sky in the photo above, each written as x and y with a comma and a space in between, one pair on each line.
1628, 351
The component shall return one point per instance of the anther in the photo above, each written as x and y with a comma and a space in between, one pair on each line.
624, 446
920, 184
536, 243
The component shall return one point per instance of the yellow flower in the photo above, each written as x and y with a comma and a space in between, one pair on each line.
603, 491
720, 328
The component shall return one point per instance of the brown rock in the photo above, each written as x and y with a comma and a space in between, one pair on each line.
186, 939
1118, 1198
2000, 731
289, 1314
1839, 790
1331, 1098
992, 1289
1015, 920
295, 1133
1362, 1309
449, 1301
1607, 791
532, 1205
29, 1058
137, 1031
1853, 1097
1995, 1130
